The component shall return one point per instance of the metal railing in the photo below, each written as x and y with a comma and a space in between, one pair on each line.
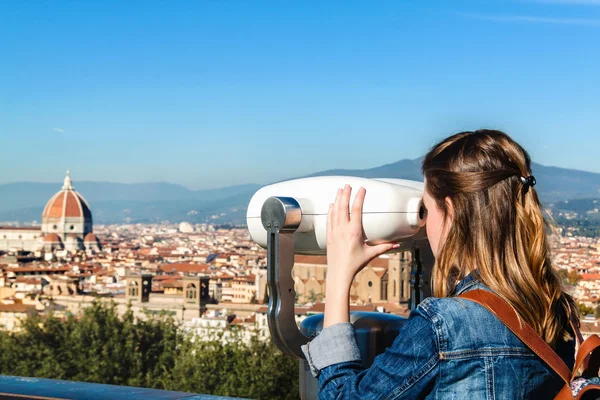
17, 387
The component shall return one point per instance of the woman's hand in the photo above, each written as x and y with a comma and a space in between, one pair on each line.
347, 252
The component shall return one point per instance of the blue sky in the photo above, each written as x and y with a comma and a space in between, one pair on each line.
213, 93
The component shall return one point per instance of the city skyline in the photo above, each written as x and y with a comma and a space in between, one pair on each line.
216, 94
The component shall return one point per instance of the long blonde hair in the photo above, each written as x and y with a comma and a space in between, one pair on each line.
497, 228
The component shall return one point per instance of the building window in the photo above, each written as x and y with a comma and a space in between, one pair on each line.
54, 227
394, 288
384, 290
134, 289
370, 284
71, 227
190, 291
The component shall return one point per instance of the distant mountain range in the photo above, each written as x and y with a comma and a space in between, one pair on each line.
23, 202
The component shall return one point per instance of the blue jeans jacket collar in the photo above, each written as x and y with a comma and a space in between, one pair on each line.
469, 281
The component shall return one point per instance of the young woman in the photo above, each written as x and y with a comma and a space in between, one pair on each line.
486, 229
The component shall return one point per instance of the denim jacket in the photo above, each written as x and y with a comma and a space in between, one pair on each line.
449, 348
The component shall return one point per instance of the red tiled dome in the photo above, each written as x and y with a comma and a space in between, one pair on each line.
67, 204
90, 237
52, 238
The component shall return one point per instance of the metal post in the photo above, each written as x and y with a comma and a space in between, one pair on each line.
281, 217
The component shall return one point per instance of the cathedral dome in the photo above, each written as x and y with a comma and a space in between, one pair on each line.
67, 214
90, 238
91, 242
52, 238
67, 203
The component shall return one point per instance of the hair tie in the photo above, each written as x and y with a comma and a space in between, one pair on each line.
528, 181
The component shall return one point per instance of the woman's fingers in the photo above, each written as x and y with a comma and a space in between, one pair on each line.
344, 208
357, 209
334, 210
329, 222
379, 249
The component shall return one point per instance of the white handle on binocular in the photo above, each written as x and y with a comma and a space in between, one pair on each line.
392, 211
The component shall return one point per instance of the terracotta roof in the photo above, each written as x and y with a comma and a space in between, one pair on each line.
176, 284
67, 204
380, 262
248, 279
302, 259
90, 237
72, 206
29, 281
16, 308
54, 207
183, 268
52, 238
159, 278
380, 273
590, 277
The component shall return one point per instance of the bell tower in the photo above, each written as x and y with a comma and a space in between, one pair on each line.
195, 296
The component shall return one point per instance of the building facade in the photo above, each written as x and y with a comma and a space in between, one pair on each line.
386, 279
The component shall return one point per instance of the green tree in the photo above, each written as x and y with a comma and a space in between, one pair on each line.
314, 297
584, 310
573, 277
100, 346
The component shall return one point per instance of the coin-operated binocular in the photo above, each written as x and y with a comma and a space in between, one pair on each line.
290, 218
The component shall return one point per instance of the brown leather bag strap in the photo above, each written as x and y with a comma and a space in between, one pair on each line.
588, 346
520, 328
579, 338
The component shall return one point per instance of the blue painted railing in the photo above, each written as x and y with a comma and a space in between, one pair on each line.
17, 387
